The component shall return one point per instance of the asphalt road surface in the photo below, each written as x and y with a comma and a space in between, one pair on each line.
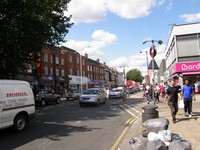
67, 126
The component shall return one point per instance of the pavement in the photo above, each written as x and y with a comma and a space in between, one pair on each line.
185, 127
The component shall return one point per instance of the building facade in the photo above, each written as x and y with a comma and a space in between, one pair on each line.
183, 53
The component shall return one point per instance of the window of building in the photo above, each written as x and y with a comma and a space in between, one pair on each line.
88, 68
45, 70
62, 61
83, 73
51, 59
77, 60
51, 70
83, 62
78, 73
45, 57
62, 73
70, 71
57, 60
29, 68
91, 68
70, 58
57, 72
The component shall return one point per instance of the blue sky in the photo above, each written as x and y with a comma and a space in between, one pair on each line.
114, 30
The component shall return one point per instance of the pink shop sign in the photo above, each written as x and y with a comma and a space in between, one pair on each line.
185, 67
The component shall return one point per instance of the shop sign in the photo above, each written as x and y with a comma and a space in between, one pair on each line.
185, 67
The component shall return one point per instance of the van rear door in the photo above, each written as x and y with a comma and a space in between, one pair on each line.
1, 113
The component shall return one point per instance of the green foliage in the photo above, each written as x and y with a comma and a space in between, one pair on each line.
135, 75
26, 26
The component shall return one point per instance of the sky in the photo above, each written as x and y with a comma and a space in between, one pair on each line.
113, 31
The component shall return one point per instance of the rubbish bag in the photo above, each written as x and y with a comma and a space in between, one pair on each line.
138, 143
156, 125
156, 145
165, 135
180, 145
153, 136
181, 104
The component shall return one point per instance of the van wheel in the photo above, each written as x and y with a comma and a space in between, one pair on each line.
57, 100
43, 102
20, 123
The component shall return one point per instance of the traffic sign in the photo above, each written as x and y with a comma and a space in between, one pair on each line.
152, 51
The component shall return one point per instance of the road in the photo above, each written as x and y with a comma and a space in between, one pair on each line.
67, 126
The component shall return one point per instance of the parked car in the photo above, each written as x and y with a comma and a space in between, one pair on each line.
129, 91
115, 93
72, 94
92, 96
43, 97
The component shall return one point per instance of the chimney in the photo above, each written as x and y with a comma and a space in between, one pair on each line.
86, 55
98, 60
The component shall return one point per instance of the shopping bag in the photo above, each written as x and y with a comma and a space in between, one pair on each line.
181, 104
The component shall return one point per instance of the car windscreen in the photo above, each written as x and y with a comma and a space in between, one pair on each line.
115, 91
90, 92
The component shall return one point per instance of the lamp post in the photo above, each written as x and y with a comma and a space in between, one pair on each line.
124, 72
152, 54
146, 60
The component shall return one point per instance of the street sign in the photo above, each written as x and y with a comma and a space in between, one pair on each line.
152, 51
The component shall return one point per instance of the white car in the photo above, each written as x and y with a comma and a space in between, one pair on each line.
115, 93
92, 96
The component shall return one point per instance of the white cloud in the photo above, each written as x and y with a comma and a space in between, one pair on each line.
169, 6
100, 35
86, 11
90, 11
131, 9
138, 61
100, 40
190, 17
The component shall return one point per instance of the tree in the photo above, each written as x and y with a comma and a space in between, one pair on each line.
26, 26
135, 75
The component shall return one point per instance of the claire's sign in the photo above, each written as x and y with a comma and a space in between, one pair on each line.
185, 67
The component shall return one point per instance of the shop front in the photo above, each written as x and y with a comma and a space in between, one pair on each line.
187, 70
78, 82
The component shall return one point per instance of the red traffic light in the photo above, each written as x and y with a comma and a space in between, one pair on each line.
152, 51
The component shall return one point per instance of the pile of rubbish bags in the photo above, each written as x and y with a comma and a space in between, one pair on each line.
156, 136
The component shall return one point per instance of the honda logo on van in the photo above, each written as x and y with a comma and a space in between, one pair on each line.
16, 94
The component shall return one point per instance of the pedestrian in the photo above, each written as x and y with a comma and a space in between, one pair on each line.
150, 94
157, 92
162, 91
165, 91
172, 95
187, 92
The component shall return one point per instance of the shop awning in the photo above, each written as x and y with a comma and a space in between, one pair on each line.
191, 73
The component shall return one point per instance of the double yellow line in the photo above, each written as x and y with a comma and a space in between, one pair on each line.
123, 134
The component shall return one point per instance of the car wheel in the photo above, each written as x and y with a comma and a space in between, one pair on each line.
20, 123
43, 102
57, 100
98, 102
104, 100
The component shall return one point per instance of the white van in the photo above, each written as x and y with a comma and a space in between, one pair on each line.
17, 104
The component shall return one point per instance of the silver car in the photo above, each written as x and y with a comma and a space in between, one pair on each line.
115, 93
92, 96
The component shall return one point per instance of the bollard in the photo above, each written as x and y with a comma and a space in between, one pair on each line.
149, 112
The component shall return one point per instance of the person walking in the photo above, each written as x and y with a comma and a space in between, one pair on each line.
187, 92
172, 95
157, 92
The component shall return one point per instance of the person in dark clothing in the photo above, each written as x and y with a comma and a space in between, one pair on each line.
187, 93
172, 99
